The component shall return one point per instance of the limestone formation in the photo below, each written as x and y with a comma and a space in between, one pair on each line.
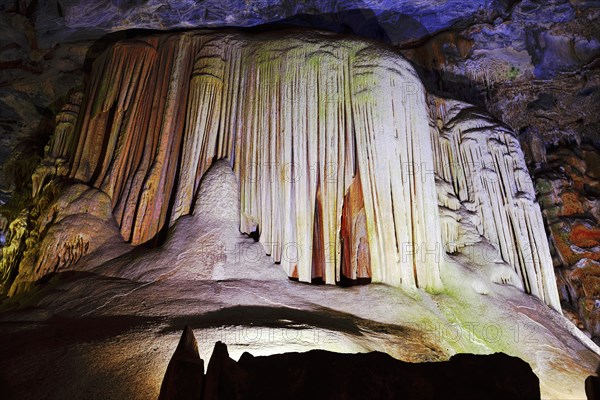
77, 223
36, 219
339, 160
300, 118
482, 171
57, 151
12, 252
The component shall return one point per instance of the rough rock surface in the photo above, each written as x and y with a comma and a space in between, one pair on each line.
35, 83
79, 222
391, 20
567, 187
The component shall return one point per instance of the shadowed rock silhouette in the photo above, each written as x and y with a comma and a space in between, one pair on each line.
319, 374
185, 374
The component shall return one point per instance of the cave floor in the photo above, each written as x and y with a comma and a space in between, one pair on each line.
84, 335
108, 330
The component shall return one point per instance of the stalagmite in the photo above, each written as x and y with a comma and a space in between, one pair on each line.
57, 151
481, 167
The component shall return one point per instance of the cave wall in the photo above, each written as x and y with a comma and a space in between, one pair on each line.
533, 64
340, 159
395, 21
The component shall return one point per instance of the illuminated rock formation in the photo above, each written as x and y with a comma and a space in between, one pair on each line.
57, 151
483, 177
300, 119
11, 254
339, 161
77, 223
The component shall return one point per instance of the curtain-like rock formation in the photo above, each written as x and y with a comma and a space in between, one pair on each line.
340, 162
301, 118
484, 178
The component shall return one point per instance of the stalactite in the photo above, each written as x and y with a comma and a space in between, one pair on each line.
344, 169
299, 117
481, 167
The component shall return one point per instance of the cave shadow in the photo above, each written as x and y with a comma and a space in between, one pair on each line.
65, 329
286, 318
386, 27
592, 385
447, 84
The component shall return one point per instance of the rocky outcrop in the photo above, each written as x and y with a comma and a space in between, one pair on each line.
567, 182
35, 83
356, 376
62, 223
77, 223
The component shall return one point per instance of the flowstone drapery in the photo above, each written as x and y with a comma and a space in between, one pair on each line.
339, 160
483, 183
301, 119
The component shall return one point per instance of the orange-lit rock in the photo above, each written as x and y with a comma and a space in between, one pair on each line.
435, 51
355, 245
585, 236
566, 188
583, 286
